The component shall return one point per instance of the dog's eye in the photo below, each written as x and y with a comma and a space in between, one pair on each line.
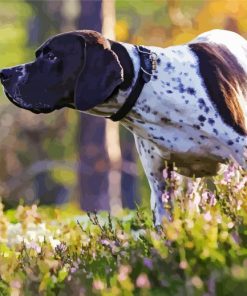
51, 56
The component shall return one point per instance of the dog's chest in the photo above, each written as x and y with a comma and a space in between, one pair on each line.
175, 112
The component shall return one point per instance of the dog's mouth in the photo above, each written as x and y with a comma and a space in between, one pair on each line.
12, 99
18, 101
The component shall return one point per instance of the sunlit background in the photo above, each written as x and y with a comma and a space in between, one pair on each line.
66, 157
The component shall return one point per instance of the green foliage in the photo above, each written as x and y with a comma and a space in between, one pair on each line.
54, 133
13, 16
201, 252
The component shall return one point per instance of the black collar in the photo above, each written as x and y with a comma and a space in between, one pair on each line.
147, 65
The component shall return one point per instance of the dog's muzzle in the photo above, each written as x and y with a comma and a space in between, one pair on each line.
7, 74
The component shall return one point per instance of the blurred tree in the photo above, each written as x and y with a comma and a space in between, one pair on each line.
93, 148
120, 143
112, 129
28, 137
129, 192
93, 158
46, 20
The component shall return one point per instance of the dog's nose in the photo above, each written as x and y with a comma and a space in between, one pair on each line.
5, 74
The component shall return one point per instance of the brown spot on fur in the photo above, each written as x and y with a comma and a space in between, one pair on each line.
93, 37
223, 77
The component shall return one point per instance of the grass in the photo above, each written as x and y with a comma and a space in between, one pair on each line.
201, 252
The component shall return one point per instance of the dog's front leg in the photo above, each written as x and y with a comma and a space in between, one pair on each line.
153, 165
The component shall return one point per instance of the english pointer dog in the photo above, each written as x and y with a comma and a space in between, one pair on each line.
186, 104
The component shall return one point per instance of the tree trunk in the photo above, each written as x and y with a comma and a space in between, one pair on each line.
128, 180
93, 158
39, 28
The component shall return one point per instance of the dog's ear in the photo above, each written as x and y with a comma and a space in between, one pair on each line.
99, 76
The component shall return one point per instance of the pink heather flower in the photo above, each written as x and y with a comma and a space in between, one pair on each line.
239, 186
62, 247
197, 282
174, 176
165, 173
236, 237
122, 277
219, 219
148, 263
205, 196
142, 281
207, 216
105, 242
212, 199
183, 264
230, 225
33, 245
229, 173
192, 187
239, 204
124, 270
15, 284
209, 197
165, 197
122, 235
98, 285
195, 202
73, 269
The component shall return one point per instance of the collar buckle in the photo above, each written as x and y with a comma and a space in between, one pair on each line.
148, 61
154, 58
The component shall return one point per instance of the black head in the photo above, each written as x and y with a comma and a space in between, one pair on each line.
76, 69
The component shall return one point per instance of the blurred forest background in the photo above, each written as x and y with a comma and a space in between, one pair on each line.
66, 156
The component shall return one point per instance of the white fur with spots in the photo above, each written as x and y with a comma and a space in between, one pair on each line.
174, 118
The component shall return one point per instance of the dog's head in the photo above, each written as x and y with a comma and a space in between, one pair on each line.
76, 69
